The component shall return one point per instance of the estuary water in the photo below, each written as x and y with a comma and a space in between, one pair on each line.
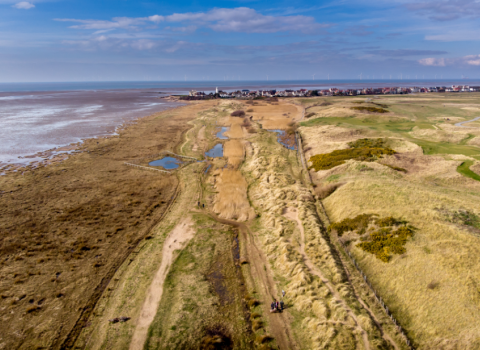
32, 122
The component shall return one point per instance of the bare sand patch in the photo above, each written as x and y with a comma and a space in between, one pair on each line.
471, 108
231, 201
176, 240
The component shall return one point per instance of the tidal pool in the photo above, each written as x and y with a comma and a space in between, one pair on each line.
221, 135
284, 139
168, 163
216, 151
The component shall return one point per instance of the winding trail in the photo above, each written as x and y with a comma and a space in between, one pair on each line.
177, 239
467, 121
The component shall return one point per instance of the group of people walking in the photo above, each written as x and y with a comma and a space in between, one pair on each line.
277, 306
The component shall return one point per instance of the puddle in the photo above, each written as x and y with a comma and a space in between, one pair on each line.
221, 135
285, 140
216, 151
208, 168
167, 163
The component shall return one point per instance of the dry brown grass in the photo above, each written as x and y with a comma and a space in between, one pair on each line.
323, 318
65, 229
234, 151
231, 201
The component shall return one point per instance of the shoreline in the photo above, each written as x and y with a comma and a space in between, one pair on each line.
62, 152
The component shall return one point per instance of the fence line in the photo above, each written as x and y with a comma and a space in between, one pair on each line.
146, 167
377, 297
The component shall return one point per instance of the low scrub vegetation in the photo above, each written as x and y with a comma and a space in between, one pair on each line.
382, 237
370, 109
363, 150
238, 113
463, 217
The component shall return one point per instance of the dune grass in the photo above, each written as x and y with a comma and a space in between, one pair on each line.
431, 284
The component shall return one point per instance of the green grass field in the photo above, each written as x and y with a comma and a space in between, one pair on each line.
464, 169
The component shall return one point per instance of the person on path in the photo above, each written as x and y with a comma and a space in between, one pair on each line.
282, 304
203, 205
278, 305
272, 306
283, 293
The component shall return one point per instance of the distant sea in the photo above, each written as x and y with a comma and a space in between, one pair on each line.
182, 87
35, 117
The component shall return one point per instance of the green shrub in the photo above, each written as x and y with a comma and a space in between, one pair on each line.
357, 223
370, 109
338, 157
385, 242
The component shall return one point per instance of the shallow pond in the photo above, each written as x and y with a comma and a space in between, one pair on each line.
216, 151
284, 139
221, 135
168, 163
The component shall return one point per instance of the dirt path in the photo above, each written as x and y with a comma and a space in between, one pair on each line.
177, 239
279, 323
292, 214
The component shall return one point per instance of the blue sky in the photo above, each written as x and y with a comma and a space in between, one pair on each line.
72, 40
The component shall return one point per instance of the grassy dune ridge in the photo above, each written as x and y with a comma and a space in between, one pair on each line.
432, 289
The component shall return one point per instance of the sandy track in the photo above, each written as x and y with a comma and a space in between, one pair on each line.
177, 239
279, 323
292, 214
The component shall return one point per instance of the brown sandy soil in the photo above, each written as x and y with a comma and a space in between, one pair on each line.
179, 236
66, 228
231, 201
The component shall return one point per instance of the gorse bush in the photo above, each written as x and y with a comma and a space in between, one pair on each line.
364, 150
385, 242
359, 222
386, 239
368, 143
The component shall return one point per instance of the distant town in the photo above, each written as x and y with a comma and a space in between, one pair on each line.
252, 94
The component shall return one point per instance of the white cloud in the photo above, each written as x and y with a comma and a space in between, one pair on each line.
470, 60
240, 19
24, 5
437, 62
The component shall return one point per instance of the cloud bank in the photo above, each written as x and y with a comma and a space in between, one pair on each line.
240, 20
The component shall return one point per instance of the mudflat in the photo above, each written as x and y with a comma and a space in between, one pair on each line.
67, 227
